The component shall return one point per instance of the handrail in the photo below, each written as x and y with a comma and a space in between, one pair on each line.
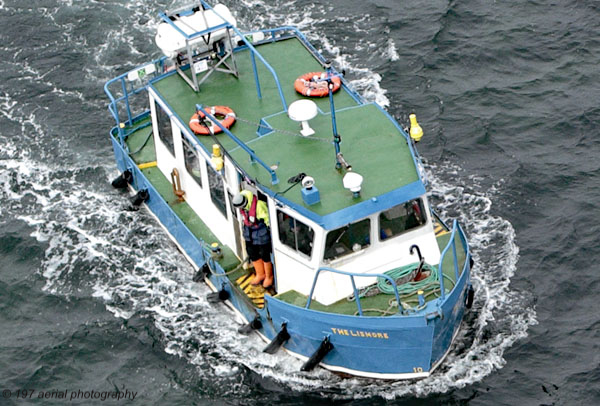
313, 51
114, 101
352, 275
452, 244
242, 144
253, 50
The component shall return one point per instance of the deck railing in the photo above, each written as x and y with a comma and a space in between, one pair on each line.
253, 53
130, 84
456, 228
353, 275
450, 246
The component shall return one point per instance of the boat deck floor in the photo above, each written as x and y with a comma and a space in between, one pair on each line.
141, 143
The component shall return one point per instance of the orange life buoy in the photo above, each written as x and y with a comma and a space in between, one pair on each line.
198, 125
314, 84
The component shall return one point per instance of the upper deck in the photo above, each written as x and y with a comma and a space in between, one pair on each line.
372, 142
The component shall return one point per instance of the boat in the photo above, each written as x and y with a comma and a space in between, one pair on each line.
368, 280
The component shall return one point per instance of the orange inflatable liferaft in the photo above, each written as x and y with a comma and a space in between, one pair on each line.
314, 84
200, 126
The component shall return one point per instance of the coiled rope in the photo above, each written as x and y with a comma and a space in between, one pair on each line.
407, 288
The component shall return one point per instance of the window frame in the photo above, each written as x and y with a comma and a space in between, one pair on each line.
295, 248
421, 204
350, 252
201, 162
162, 117
211, 171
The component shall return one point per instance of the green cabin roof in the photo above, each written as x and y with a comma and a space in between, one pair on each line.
371, 141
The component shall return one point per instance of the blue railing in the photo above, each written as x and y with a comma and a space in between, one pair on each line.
242, 144
353, 275
128, 88
284, 32
452, 245
253, 52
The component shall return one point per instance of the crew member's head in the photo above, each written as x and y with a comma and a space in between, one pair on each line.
239, 201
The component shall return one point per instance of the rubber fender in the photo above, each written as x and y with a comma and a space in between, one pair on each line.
318, 355
470, 297
277, 342
255, 324
140, 197
121, 181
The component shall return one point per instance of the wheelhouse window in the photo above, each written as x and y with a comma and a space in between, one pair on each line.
193, 162
165, 133
295, 234
350, 238
217, 190
402, 218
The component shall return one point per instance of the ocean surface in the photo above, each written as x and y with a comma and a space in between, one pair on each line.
94, 298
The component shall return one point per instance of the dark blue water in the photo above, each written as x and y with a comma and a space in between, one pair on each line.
94, 297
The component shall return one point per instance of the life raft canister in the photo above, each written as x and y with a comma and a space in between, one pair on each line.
314, 84
198, 122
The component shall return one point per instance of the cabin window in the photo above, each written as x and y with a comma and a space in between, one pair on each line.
165, 133
401, 218
295, 234
350, 238
193, 162
217, 189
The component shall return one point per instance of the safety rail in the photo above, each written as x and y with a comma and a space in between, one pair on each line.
242, 144
128, 81
286, 32
253, 52
452, 244
352, 275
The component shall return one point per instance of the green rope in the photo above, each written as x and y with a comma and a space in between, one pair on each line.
410, 287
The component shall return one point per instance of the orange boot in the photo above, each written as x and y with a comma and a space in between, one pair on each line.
259, 268
268, 275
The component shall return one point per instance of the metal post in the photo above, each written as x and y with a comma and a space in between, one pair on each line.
336, 136
255, 74
126, 95
356, 296
455, 261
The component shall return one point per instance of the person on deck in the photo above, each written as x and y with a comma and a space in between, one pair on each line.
257, 235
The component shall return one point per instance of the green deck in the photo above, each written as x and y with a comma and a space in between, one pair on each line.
143, 146
366, 132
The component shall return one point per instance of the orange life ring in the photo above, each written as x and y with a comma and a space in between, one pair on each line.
197, 122
313, 84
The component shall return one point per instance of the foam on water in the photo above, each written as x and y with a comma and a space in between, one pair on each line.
96, 246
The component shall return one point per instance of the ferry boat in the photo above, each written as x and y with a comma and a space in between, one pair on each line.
367, 279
